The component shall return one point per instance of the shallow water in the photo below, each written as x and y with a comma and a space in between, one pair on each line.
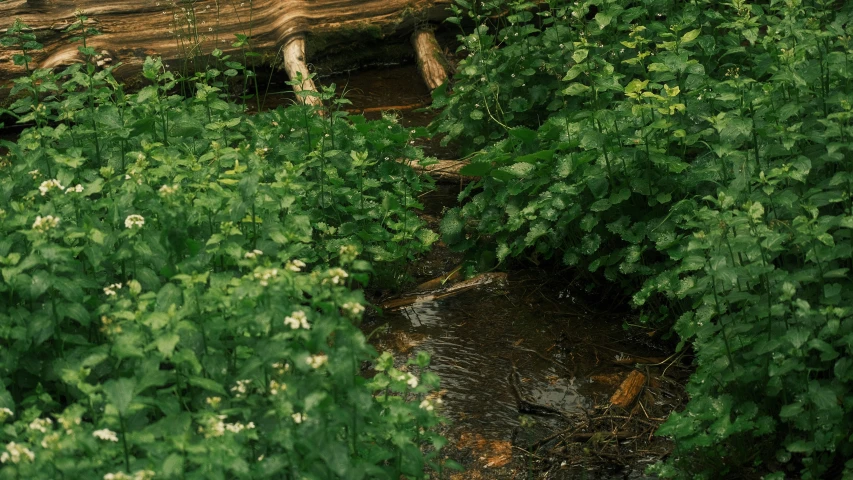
533, 325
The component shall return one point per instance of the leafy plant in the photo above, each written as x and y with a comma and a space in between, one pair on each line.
179, 285
698, 154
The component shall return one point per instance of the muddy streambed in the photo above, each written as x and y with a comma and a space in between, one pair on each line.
527, 373
528, 363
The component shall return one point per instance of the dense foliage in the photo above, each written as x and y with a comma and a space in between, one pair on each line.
699, 153
179, 284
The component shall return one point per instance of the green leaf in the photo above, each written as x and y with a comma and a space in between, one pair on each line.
120, 393
166, 344
602, 19
575, 89
518, 170
691, 35
476, 169
207, 384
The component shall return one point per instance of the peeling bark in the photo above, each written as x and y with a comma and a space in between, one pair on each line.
184, 32
431, 61
294, 65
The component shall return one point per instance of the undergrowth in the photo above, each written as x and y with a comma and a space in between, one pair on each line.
180, 283
699, 154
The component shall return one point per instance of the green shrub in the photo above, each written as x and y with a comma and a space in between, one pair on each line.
179, 286
698, 153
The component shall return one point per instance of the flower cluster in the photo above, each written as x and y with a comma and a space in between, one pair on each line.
296, 320
75, 189
43, 224
295, 265
348, 253
167, 190
240, 388
281, 368
15, 453
41, 424
336, 276
276, 387
354, 309
263, 276
138, 475
134, 221
410, 379
111, 289
216, 427
49, 185
253, 254
105, 434
299, 417
317, 361
429, 405
5, 413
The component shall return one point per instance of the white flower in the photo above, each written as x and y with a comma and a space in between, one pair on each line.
5, 413
213, 401
238, 427
51, 440
134, 221
240, 387
317, 361
336, 275
276, 387
215, 427
41, 424
412, 381
296, 320
15, 452
117, 475
281, 368
427, 405
166, 190
105, 434
295, 265
77, 188
254, 253
299, 418
49, 185
144, 475
265, 275
111, 290
354, 309
43, 224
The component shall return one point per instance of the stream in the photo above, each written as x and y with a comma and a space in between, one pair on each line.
520, 358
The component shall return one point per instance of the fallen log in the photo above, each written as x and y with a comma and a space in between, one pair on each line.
629, 389
443, 171
185, 33
293, 53
431, 62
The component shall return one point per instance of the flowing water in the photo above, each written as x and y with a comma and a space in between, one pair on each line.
526, 337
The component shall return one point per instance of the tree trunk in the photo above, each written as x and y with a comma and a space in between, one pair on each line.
185, 32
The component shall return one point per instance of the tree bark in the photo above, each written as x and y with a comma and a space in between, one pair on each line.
185, 32
431, 62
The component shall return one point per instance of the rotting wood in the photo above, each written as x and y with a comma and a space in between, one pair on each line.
293, 53
395, 108
431, 62
480, 280
185, 33
445, 171
633, 360
629, 389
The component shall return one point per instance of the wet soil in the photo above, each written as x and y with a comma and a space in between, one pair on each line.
529, 364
